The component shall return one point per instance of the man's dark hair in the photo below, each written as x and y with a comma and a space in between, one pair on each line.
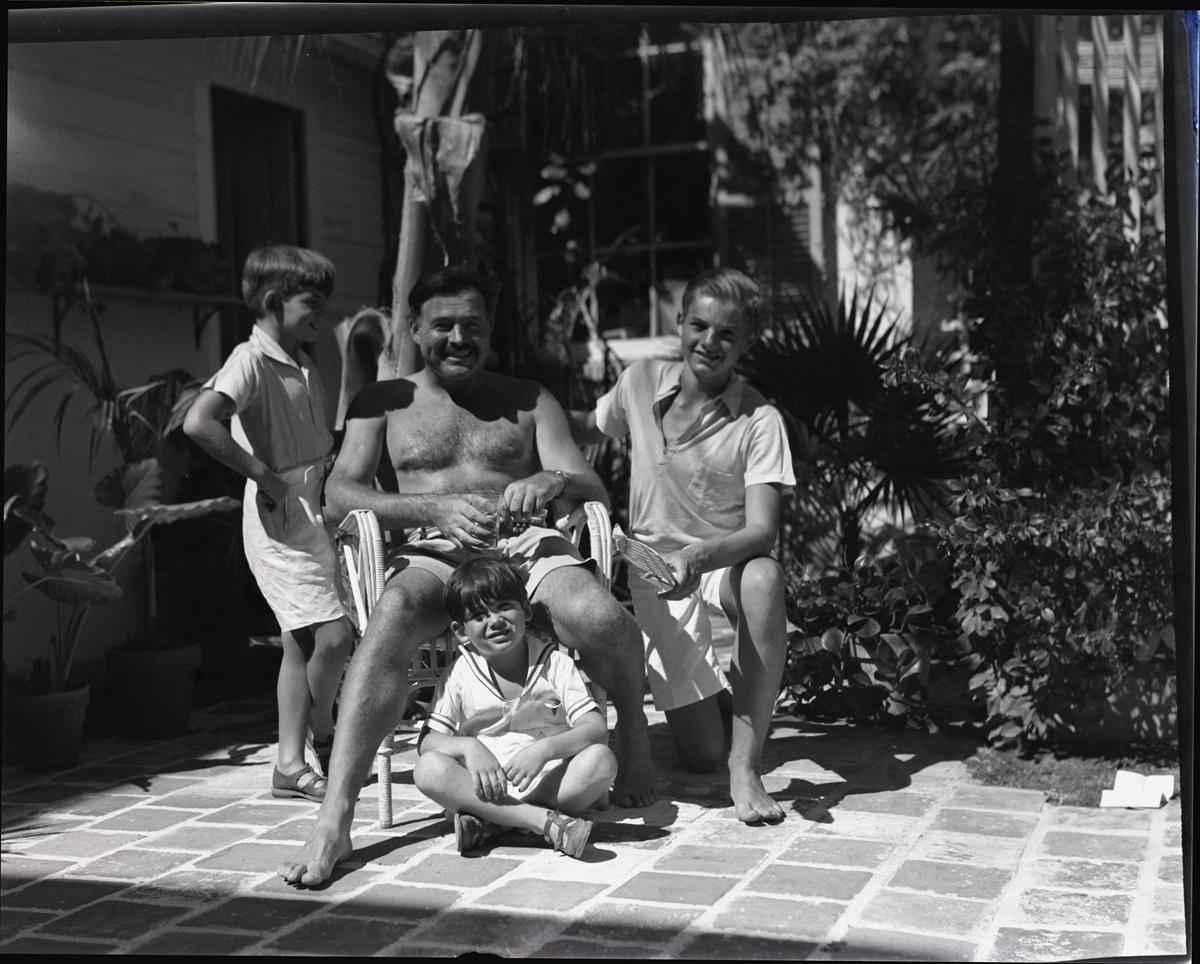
452, 280
482, 582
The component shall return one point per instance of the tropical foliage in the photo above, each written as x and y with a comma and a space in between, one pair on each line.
76, 572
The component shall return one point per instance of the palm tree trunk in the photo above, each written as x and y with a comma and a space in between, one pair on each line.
444, 66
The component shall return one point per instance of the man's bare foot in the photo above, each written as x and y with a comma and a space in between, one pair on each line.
315, 862
751, 802
634, 786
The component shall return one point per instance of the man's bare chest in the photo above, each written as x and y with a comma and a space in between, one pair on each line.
428, 438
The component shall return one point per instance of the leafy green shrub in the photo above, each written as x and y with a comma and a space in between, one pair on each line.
1060, 538
867, 638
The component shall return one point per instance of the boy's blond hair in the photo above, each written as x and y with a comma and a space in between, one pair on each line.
286, 269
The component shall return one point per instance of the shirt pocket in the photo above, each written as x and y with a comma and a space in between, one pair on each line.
716, 486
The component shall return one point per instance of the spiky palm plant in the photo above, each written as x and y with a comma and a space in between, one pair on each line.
863, 440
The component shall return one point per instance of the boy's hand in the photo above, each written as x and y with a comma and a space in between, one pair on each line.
526, 764
486, 772
272, 490
687, 571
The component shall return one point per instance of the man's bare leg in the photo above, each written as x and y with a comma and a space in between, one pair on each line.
753, 596
585, 617
409, 612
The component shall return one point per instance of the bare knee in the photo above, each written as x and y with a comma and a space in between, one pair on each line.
758, 579
431, 771
599, 761
333, 638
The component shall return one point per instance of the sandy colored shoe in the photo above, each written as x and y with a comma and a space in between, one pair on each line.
568, 835
471, 833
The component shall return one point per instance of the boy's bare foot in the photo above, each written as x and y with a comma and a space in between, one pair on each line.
634, 786
315, 862
751, 802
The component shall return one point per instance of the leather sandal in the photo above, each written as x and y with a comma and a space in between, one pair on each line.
567, 835
471, 833
305, 783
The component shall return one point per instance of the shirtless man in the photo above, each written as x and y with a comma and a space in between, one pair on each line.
465, 443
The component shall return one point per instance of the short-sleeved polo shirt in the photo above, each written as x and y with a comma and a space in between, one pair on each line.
467, 702
693, 487
280, 403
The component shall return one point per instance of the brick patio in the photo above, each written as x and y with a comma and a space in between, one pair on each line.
889, 852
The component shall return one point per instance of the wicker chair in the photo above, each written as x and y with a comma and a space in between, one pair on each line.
362, 551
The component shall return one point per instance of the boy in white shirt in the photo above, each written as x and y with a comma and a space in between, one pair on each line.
280, 441
514, 739
710, 465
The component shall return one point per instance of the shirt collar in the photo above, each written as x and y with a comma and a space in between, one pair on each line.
670, 385
272, 349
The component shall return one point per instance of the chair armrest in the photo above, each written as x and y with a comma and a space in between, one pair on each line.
592, 518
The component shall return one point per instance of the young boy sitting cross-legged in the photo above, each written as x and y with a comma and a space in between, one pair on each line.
514, 740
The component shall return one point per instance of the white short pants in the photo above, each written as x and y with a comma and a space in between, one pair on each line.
505, 746
681, 663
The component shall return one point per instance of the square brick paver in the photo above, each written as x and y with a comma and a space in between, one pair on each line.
985, 822
949, 916
969, 848
740, 947
650, 924
838, 851
254, 857
1075, 909
81, 844
199, 838
258, 914
674, 888
1020, 944
120, 920
40, 945
806, 881
458, 871
252, 814
954, 880
60, 893
1084, 874
397, 900
131, 864
1099, 846
900, 802
796, 918
206, 943
870, 944
707, 859
331, 936
547, 895
1004, 799
146, 819
17, 870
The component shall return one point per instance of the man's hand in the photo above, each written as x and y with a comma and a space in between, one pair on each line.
526, 764
688, 571
529, 496
468, 520
486, 772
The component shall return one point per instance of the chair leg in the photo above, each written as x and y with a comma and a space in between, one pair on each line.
383, 770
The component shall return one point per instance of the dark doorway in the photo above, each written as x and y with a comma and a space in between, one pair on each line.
258, 151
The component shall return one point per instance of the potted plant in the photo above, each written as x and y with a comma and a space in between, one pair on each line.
154, 674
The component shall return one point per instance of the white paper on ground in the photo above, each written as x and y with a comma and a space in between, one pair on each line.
1135, 790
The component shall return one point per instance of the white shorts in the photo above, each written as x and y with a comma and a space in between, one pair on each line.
681, 663
291, 552
504, 747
